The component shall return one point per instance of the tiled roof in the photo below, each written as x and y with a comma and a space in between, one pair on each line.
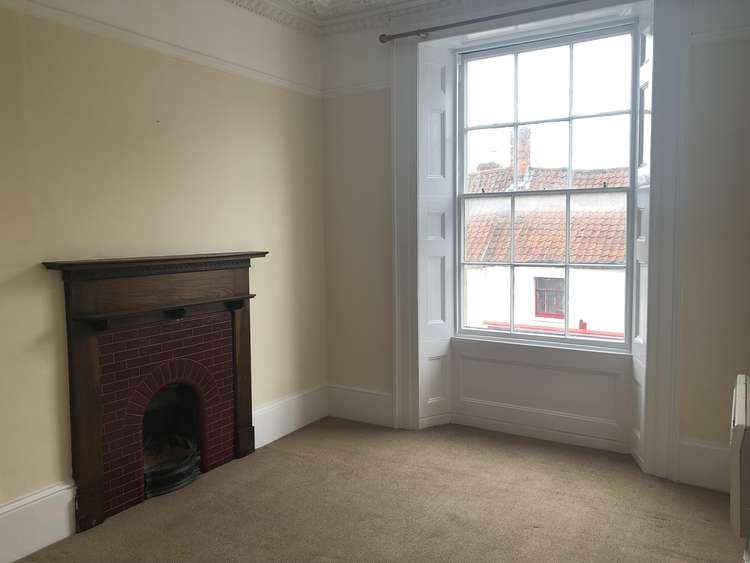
540, 236
487, 238
492, 178
596, 237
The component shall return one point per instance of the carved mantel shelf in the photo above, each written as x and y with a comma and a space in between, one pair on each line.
79, 270
109, 297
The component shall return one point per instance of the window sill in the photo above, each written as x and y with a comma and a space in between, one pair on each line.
612, 349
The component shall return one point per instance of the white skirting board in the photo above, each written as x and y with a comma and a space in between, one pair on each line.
37, 520
704, 464
373, 407
282, 417
275, 420
540, 433
435, 420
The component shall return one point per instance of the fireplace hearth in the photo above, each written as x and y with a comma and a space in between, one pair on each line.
159, 374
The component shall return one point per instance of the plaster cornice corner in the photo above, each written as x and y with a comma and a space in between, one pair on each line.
281, 15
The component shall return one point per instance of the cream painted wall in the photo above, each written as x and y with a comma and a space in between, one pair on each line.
355, 62
714, 224
215, 33
111, 150
359, 258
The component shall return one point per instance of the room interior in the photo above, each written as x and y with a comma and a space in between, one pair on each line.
404, 280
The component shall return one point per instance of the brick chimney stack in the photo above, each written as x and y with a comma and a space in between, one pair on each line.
524, 150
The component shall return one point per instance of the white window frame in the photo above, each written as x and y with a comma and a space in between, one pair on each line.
514, 47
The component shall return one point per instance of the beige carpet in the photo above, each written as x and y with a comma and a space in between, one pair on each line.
340, 490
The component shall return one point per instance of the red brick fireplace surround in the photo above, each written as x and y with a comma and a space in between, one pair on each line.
136, 326
136, 364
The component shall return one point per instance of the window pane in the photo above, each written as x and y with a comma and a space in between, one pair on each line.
598, 228
520, 242
487, 230
544, 83
488, 160
543, 156
597, 304
489, 91
536, 309
540, 229
487, 297
601, 152
601, 75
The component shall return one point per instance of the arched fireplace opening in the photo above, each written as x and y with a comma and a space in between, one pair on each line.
171, 440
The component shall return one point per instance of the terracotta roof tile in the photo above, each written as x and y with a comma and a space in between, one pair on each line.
596, 237
540, 236
487, 238
492, 178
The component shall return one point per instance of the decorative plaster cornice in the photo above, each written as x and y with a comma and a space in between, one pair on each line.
382, 17
286, 14
282, 15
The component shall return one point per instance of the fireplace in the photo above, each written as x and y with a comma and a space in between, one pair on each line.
164, 383
159, 374
171, 443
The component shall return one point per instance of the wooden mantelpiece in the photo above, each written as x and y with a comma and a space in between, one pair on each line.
111, 295
78, 270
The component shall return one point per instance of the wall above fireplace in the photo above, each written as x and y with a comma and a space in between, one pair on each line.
136, 326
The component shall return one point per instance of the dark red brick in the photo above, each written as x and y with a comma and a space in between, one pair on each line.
125, 394
161, 357
112, 368
105, 359
139, 362
171, 338
127, 355
125, 335
191, 341
114, 386
197, 351
136, 343
149, 349
202, 347
112, 347
151, 330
